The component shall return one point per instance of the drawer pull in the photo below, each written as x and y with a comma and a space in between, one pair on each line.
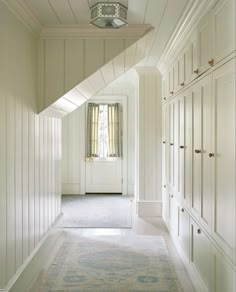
211, 154
197, 151
182, 84
182, 210
181, 147
196, 71
199, 231
164, 142
211, 62
165, 186
172, 196
171, 92
164, 98
171, 144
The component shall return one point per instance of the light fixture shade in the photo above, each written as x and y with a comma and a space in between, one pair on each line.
108, 15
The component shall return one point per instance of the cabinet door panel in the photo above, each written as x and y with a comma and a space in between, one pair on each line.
201, 254
171, 145
176, 76
176, 146
182, 68
207, 147
188, 149
224, 172
181, 170
223, 23
184, 230
197, 145
174, 216
194, 55
204, 44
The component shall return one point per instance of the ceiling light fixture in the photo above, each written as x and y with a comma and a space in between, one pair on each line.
109, 15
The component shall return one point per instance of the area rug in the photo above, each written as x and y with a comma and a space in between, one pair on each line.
96, 211
107, 264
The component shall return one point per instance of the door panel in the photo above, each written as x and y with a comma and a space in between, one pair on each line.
224, 172
181, 176
104, 176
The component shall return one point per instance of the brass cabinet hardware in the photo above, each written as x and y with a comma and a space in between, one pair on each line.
171, 144
182, 209
211, 62
211, 154
172, 196
182, 84
171, 92
164, 142
197, 151
199, 231
164, 186
164, 98
181, 147
196, 71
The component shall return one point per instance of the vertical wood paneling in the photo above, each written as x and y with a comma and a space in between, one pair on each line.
24, 154
31, 181
113, 48
18, 181
94, 55
3, 192
74, 63
10, 188
54, 70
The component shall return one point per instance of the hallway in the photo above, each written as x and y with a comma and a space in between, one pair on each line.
104, 259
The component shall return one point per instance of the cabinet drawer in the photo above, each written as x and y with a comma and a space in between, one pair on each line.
201, 254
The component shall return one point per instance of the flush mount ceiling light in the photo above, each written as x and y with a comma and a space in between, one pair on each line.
108, 15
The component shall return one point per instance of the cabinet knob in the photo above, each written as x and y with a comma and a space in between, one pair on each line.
199, 231
171, 92
181, 147
164, 98
197, 151
211, 154
182, 210
182, 84
196, 71
164, 142
211, 62
172, 196
171, 144
164, 186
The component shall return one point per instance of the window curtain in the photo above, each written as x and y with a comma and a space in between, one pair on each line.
92, 130
114, 130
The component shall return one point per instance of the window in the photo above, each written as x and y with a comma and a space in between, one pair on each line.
104, 131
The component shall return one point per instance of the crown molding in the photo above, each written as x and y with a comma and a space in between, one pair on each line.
194, 11
91, 32
20, 9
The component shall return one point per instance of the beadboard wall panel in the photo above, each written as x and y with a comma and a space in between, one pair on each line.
29, 149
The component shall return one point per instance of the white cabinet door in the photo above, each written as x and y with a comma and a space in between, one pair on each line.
223, 273
176, 76
188, 63
176, 146
205, 54
184, 230
201, 254
194, 55
174, 216
171, 145
171, 81
181, 150
166, 206
187, 195
224, 171
223, 29
181, 67
197, 145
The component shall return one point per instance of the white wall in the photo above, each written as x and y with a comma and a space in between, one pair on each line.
148, 174
29, 151
73, 144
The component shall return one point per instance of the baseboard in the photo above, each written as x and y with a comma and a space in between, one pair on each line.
23, 277
149, 208
70, 188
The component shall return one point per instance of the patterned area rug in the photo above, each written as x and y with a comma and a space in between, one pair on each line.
96, 211
109, 263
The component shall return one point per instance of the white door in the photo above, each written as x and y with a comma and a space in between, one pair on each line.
108, 174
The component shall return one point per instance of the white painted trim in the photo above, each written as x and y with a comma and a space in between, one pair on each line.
21, 10
135, 31
17, 275
106, 99
149, 208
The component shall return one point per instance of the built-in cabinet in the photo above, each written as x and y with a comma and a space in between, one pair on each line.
199, 187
